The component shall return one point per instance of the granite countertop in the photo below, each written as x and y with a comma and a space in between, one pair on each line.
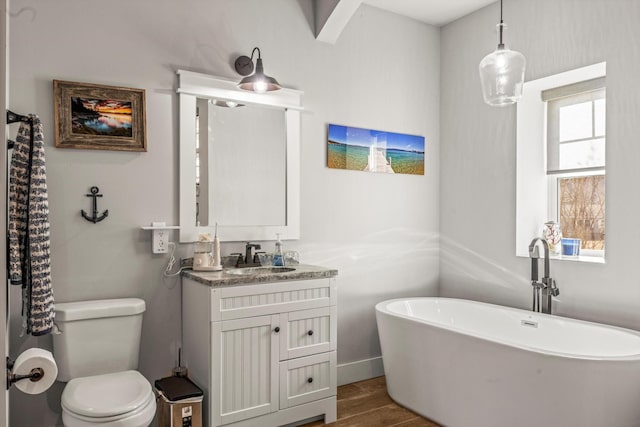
222, 278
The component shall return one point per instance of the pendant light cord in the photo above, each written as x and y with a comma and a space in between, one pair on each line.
500, 44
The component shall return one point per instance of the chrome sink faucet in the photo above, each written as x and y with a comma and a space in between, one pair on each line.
546, 288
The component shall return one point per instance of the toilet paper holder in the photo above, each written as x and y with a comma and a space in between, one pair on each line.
34, 375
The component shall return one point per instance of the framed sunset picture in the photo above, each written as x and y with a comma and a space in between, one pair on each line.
371, 150
99, 117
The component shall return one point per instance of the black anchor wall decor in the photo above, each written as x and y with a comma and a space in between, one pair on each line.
95, 218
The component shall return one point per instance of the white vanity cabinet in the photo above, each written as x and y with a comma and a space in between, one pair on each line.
264, 350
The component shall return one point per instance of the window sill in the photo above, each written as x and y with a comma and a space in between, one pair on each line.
580, 258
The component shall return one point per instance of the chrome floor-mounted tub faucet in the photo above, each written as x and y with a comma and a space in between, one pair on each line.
546, 288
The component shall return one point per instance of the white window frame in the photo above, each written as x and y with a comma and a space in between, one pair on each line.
556, 98
532, 187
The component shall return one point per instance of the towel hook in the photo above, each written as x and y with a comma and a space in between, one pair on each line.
15, 118
95, 218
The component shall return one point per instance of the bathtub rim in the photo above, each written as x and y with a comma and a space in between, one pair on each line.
381, 308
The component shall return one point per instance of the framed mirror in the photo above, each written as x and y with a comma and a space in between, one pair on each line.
239, 160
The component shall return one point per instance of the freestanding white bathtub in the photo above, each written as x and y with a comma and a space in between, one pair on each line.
464, 363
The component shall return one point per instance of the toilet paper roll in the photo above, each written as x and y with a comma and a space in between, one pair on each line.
31, 359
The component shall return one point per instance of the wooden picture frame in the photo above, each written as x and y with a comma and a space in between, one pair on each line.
99, 117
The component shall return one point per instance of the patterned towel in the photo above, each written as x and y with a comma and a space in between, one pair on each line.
29, 248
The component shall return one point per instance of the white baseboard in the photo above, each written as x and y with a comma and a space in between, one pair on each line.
360, 370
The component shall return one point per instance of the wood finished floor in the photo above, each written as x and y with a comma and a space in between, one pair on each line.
367, 404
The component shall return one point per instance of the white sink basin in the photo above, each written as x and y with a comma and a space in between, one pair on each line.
258, 270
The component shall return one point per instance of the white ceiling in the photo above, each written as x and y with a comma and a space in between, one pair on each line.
434, 12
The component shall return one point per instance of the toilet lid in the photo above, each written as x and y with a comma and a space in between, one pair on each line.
106, 395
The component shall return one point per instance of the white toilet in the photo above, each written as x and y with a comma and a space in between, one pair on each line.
97, 354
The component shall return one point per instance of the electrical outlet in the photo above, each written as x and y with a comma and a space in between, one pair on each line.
160, 241
160, 232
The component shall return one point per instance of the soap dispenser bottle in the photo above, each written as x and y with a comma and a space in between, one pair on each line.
278, 258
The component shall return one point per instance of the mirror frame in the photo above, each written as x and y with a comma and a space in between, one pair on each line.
193, 85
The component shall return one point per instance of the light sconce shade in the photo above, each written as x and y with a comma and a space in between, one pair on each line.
258, 81
502, 73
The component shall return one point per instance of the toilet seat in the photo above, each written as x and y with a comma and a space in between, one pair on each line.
116, 399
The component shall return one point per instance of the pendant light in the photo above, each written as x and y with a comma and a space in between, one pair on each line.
258, 81
502, 73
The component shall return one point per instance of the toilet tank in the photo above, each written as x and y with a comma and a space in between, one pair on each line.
97, 337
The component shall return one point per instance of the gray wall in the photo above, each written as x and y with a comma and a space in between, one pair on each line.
380, 231
478, 179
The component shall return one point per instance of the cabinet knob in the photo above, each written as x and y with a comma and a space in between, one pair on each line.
310, 333
310, 380
277, 329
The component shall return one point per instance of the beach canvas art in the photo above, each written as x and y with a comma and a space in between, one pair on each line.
374, 150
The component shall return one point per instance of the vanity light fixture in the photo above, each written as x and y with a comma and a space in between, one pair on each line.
258, 81
502, 73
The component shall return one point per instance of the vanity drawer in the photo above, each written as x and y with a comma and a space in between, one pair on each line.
308, 332
236, 302
307, 379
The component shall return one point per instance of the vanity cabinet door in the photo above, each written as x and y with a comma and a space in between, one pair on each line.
308, 332
248, 351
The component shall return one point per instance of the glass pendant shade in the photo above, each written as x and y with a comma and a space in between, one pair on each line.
502, 75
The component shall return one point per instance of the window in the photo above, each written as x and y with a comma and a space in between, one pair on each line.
560, 159
576, 141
